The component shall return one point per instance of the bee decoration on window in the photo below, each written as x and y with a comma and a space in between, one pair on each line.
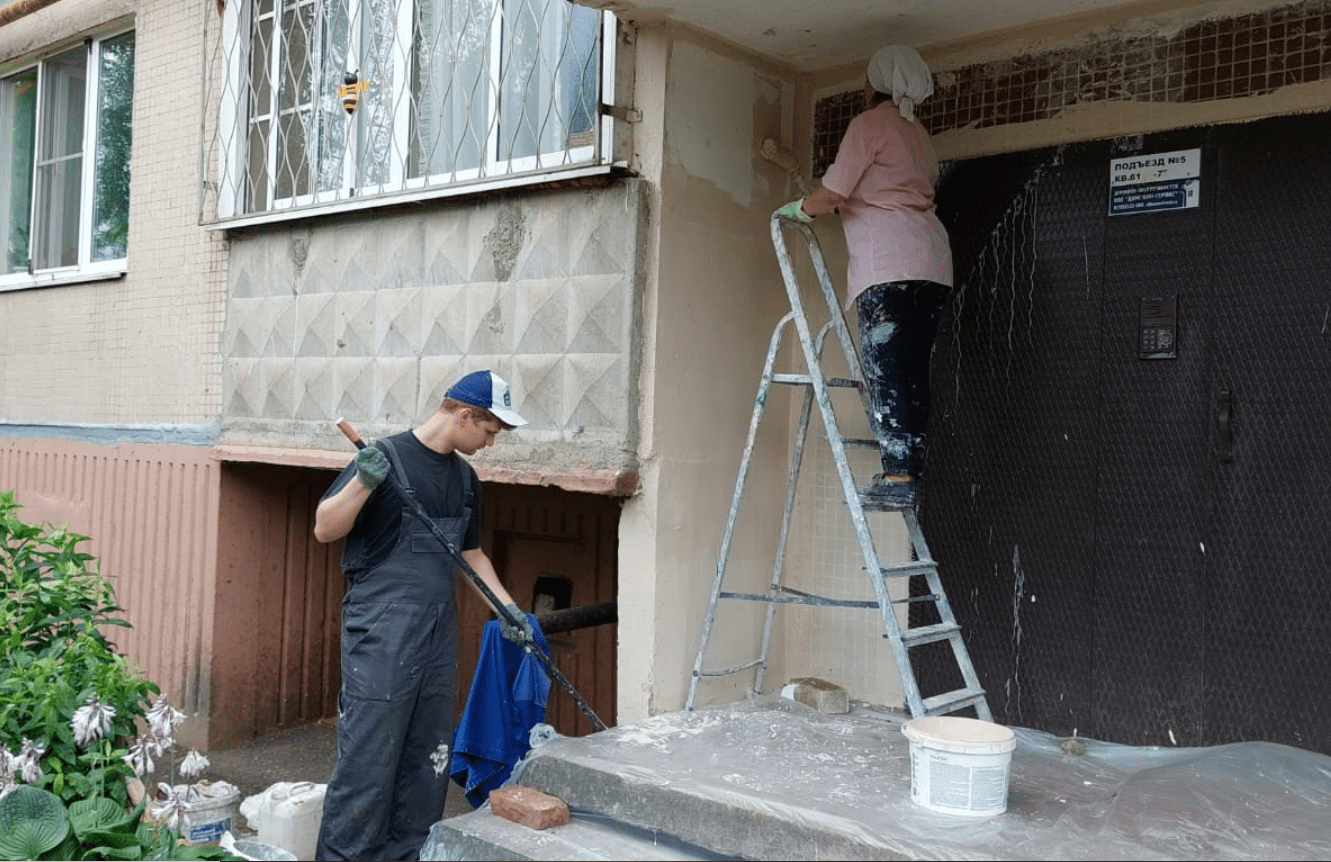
349, 91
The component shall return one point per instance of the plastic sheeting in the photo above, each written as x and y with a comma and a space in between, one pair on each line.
1068, 799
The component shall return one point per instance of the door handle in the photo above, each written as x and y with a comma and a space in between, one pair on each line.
1224, 425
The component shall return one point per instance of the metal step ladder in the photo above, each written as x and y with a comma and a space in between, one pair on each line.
817, 387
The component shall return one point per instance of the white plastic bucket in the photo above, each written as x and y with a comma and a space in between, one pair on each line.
288, 815
959, 765
207, 813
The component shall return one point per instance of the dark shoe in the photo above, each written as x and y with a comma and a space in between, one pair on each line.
900, 494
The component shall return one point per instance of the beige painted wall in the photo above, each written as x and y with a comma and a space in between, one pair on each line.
138, 349
713, 295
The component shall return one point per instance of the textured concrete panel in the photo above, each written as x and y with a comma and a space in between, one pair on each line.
373, 317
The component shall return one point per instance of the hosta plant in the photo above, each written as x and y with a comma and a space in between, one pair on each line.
69, 707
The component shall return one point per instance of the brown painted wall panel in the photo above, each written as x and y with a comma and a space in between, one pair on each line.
279, 595
150, 514
532, 533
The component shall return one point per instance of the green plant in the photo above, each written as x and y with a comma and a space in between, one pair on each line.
36, 824
68, 703
56, 657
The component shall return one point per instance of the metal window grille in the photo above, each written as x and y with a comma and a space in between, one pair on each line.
324, 102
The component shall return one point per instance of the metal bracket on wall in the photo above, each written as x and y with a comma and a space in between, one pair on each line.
619, 112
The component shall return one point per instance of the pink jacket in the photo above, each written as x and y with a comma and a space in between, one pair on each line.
886, 168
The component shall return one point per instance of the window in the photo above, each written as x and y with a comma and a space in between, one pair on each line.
64, 163
445, 93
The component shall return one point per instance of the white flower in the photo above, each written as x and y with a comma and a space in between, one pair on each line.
8, 762
91, 721
140, 757
163, 718
28, 763
440, 758
193, 765
170, 809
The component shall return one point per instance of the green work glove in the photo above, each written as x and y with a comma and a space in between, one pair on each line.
520, 633
371, 466
795, 212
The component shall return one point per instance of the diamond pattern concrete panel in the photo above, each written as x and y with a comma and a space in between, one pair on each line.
374, 317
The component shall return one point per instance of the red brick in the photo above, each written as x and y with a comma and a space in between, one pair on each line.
530, 808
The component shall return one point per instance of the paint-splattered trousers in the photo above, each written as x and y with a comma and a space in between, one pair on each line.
898, 321
396, 713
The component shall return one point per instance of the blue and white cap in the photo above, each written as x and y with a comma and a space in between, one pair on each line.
489, 390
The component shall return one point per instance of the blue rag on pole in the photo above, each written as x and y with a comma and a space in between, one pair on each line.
507, 699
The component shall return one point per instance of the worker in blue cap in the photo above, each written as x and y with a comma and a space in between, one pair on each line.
397, 706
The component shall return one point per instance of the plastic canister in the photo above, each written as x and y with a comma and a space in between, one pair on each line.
289, 816
959, 765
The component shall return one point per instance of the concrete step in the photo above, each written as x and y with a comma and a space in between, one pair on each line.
776, 779
773, 782
481, 835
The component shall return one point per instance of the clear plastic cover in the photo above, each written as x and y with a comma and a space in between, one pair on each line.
1067, 799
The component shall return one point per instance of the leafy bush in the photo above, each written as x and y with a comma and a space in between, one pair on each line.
68, 706
54, 656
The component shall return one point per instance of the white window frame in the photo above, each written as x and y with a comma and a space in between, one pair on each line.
353, 194
85, 269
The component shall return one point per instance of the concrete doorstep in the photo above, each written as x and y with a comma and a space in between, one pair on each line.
775, 778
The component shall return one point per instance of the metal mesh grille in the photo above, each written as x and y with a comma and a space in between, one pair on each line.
316, 102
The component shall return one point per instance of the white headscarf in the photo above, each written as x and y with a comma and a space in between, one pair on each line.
901, 72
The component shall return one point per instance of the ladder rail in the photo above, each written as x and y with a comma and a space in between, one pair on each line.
775, 587
778, 565
837, 319
946, 616
746, 462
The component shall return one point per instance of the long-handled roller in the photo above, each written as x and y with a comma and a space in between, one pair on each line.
555, 673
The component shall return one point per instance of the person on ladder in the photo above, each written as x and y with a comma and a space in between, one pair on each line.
900, 260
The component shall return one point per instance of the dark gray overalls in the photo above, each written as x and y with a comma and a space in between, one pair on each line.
397, 706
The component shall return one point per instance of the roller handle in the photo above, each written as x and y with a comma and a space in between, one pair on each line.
350, 432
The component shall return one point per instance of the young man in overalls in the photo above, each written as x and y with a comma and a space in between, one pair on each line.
397, 706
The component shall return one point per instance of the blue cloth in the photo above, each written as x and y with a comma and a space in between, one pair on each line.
507, 699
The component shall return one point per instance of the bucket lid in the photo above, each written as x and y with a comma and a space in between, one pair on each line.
962, 735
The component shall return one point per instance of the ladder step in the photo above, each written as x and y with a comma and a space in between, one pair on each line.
859, 443
909, 569
929, 598
869, 504
807, 380
795, 597
727, 671
953, 700
929, 634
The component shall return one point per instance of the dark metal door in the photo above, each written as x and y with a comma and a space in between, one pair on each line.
1134, 545
1268, 620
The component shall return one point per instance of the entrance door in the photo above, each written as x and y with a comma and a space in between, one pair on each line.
1132, 536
